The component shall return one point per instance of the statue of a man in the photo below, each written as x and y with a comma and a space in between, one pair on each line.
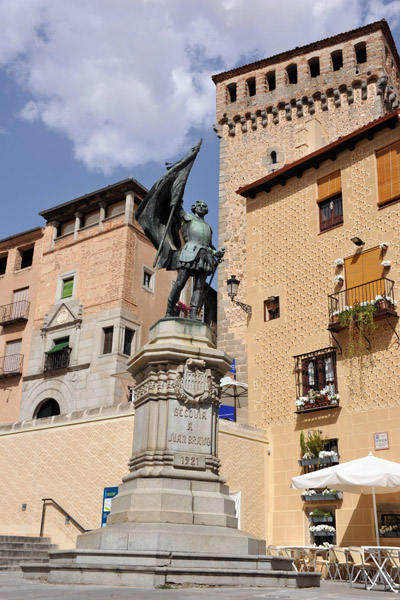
163, 220
198, 258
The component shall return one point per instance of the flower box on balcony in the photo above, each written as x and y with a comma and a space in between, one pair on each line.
319, 497
390, 534
322, 519
323, 533
305, 462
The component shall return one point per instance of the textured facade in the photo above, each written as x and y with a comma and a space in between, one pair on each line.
310, 270
96, 299
274, 112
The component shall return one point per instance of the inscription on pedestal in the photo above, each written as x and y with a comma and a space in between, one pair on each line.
190, 461
189, 428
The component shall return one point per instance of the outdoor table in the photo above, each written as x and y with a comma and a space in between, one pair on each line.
380, 557
312, 549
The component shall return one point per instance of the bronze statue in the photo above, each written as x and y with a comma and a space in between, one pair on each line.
162, 218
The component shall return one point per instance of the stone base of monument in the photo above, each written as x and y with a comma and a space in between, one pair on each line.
173, 522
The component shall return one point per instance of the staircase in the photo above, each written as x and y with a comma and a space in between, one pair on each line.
16, 550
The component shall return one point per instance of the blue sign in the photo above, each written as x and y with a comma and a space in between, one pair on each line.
226, 412
233, 367
108, 495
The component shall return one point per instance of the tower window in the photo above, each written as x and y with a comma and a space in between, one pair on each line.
3, 264
313, 64
232, 92
274, 158
361, 53
271, 81
337, 60
291, 71
108, 334
251, 86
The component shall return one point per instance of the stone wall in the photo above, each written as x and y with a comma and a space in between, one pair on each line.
71, 458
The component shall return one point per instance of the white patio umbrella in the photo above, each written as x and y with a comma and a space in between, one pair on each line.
233, 392
366, 475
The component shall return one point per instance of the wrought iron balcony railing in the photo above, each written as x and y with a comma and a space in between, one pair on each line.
11, 365
57, 360
12, 313
378, 293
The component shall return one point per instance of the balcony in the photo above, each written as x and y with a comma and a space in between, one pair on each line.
375, 296
57, 358
14, 313
11, 365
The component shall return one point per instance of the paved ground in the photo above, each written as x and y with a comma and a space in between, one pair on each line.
13, 587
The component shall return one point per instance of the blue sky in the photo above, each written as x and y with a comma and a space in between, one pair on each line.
94, 91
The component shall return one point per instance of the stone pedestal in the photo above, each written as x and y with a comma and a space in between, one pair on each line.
173, 520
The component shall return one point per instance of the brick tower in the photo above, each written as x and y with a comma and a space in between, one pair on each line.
277, 110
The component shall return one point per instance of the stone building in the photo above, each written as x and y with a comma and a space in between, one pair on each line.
97, 297
278, 110
323, 339
20, 259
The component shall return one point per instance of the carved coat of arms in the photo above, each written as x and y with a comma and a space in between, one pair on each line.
193, 383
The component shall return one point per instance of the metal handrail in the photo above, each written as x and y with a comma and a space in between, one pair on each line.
64, 512
17, 311
11, 365
364, 293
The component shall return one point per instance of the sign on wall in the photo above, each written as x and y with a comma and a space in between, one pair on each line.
381, 440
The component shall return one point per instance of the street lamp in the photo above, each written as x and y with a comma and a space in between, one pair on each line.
233, 285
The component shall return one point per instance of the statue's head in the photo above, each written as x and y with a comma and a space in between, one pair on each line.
200, 207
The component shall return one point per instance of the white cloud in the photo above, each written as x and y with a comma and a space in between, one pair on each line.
127, 80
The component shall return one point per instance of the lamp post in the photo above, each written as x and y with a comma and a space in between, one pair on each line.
233, 285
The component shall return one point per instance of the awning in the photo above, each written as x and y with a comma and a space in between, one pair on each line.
58, 347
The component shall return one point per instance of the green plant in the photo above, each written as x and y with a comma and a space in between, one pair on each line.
315, 443
359, 319
320, 513
303, 445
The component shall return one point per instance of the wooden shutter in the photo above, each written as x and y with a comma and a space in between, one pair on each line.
12, 357
19, 306
68, 286
329, 186
388, 167
362, 269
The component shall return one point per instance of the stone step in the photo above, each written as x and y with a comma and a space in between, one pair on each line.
143, 569
25, 538
27, 546
15, 550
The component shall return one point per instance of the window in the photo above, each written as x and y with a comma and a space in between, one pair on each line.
118, 208
3, 263
388, 168
361, 53
337, 60
148, 279
274, 158
67, 287
20, 304
48, 408
91, 218
232, 92
58, 356
291, 71
330, 201
128, 339
316, 371
251, 86
313, 64
271, 81
108, 334
24, 257
66, 228
271, 308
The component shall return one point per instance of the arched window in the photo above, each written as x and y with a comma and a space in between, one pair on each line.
48, 408
274, 158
